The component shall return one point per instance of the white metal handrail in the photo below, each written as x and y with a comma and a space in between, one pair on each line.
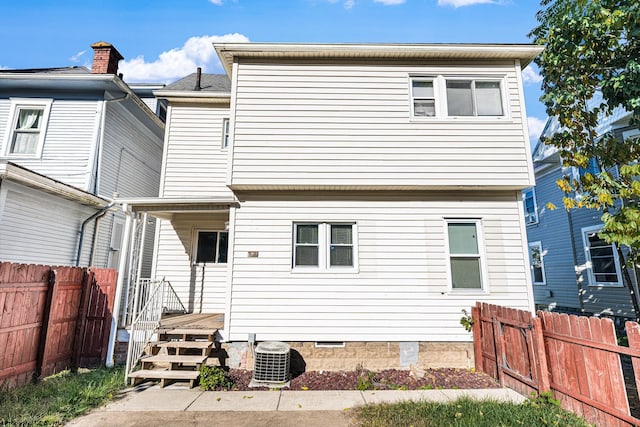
152, 298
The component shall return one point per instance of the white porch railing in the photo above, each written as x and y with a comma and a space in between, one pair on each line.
152, 299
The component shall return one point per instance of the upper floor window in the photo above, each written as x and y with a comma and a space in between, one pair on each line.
530, 207
603, 266
325, 246
536, 257
465, 254
440, 96
225, 132
26, 128
211, 247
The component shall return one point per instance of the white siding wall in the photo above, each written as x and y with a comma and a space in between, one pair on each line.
37, 227
68, 141
303, 124
401, 292
175, 263
195, 163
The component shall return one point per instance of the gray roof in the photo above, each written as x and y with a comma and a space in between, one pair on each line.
208, 83
56, 70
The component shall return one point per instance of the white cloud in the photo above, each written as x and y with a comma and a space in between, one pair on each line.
216, 2
348, 4
389, 2
178, 62
76, 57
536, 125
2, 67
530, 75
460, 3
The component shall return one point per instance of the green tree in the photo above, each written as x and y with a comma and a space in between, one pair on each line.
593, 48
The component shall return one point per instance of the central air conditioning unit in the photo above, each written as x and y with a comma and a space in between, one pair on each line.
272, 362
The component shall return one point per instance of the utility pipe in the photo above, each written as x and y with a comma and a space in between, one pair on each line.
96, 216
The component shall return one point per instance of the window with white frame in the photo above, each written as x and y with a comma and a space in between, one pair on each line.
530, 206
536, 258
324, 246
465, 254
225, 133
423, 97
211, 247
26, 127
603, 265
474, 98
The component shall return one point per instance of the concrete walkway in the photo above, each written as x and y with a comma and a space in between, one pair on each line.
151, 405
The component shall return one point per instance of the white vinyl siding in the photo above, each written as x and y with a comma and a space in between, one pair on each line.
402, 288
347, 125
195, 163
68, 142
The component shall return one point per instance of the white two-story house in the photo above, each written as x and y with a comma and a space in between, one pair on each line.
71, 139
349, 199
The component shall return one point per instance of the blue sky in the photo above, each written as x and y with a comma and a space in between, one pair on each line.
163, 40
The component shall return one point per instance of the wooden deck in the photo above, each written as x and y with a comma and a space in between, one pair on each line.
193, 321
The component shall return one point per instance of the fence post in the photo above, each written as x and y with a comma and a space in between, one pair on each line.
44, 330
498, 339
477, 338
539, 350
81, 323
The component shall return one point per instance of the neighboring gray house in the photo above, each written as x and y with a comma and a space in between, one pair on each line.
70, 140
573, 270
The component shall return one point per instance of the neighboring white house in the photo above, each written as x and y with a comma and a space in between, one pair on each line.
351, 199
70, 140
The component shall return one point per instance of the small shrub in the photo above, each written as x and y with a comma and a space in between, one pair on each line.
365, 380
214, 378
466, 321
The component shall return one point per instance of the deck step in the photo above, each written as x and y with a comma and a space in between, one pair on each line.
165, 376
186, 331
186, 344
168, 358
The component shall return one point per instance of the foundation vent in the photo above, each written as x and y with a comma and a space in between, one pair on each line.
272, 362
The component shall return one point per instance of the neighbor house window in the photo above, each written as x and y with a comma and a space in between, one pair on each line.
225, 133
212, 247
27, 126
530, 207
603, 266
465, 259
537, 263
423, 98
324, 245
474, 98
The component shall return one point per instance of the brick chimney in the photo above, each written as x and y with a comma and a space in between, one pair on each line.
105, 58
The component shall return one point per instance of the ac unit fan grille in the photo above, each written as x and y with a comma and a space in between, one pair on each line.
272, 363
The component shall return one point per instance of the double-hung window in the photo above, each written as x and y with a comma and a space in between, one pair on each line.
603, 265
474, 98
536, 257
465, 254
530, 208
324, 246
26, 127
423, 97
211, 247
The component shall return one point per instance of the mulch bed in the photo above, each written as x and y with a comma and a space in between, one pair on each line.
388, 379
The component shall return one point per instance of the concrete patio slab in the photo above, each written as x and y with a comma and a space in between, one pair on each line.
236, 401
500, 394
319, 400
155, 399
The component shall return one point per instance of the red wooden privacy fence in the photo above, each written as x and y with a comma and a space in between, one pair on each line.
52, 318
575, 357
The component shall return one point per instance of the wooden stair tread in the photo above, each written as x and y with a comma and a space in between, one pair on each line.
165, 374
170, 358
187, 331
185, 344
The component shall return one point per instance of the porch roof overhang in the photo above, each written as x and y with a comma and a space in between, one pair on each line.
165, 208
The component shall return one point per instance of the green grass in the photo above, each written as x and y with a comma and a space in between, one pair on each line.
466, 412
59, 398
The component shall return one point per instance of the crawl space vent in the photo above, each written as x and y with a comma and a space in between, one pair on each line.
272, 363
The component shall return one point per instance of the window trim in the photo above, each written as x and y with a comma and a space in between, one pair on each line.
196, 233
527, 216
481, 255
226, 131
440, 95
17, 104
324, 248
588, 263
544, 273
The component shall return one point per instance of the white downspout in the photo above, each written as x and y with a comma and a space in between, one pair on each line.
115, 315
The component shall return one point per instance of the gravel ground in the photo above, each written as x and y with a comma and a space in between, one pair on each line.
388, 379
